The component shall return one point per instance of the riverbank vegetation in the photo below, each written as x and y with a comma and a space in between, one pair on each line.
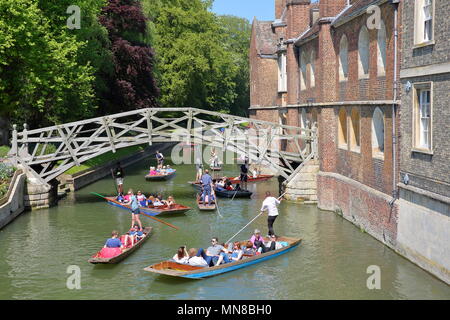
127, 54
6, 174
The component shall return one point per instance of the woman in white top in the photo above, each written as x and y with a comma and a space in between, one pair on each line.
181, 256
194, 260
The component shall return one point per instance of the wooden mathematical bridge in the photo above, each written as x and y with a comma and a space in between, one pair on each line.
281, 147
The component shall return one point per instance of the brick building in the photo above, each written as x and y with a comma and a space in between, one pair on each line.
335, 63
424, 204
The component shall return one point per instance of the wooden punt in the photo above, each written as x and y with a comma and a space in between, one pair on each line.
261, 177
174, 269
95, 259
160, 177
204, 206
225, 193
151, 211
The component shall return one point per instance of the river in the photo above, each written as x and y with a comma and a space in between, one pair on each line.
331, 263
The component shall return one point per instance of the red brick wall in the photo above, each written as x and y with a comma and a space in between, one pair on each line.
330, 8
367, 209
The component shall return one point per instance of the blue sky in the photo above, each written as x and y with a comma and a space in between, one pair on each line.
262, 9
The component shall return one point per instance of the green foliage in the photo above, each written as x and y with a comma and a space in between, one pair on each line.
49, 149
201, 58
41, 81
4, 151
6, 173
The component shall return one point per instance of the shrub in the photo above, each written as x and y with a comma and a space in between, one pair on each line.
4, 151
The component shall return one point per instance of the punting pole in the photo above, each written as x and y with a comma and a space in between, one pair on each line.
251, 221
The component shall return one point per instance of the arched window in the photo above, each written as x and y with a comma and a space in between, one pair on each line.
377, 132
303, 119
303, 62
363, 53
312, 62
355, 130
343, 59
381, 45
342, 128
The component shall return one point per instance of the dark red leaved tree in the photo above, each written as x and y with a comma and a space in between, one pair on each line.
133, 85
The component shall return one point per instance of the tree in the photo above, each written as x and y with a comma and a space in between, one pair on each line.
132, 85
41, 81
199, 55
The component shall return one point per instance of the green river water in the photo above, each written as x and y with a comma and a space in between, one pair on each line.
331, 263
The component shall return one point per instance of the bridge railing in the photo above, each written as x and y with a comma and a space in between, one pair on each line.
52, 150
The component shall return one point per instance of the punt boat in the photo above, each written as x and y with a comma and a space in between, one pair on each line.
261, 177
203, 206
160, 177
152, 210
98, 259
174, 269
225, 193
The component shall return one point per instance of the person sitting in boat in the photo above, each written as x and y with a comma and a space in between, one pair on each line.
169, 169
127, 198
202, 196
142, 199
257, 239
248, 248
120, 198
134, 235
212, 253
169, 202
156, 202
153, 172
228, 185
234, 254
194, 260
270, 245
181, 256
114, 241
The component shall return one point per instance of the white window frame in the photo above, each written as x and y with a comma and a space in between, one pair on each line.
376, 151
381, 50
282, 72
362, 74
421, 21
343, 59
421, 103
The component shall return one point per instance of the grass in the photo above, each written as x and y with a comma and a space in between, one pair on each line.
105, 158
4, 151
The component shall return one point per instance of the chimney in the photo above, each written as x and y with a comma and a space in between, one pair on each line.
331, 8
279, 6
313, 15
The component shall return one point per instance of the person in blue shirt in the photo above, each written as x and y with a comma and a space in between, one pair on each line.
159, 159
135, 234
207, 185
134, 204
113, 242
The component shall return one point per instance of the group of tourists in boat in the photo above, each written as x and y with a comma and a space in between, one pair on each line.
217, 254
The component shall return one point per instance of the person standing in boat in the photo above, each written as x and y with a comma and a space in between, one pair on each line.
207, 185
244, 174
159, 159
135, 212
270, 204
119, 175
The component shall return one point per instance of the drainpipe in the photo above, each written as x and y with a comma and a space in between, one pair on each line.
394, 138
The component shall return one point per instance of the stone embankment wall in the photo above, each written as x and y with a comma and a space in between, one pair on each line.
303, 187
12, 204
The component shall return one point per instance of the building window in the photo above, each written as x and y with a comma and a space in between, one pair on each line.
423, 22
282, 74
423, 117
303, 62
312, 61
381, 54
378, 133
343, 59
363, 53
355, 130
303, 119
342, 128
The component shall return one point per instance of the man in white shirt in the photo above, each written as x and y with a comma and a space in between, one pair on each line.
270, 204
